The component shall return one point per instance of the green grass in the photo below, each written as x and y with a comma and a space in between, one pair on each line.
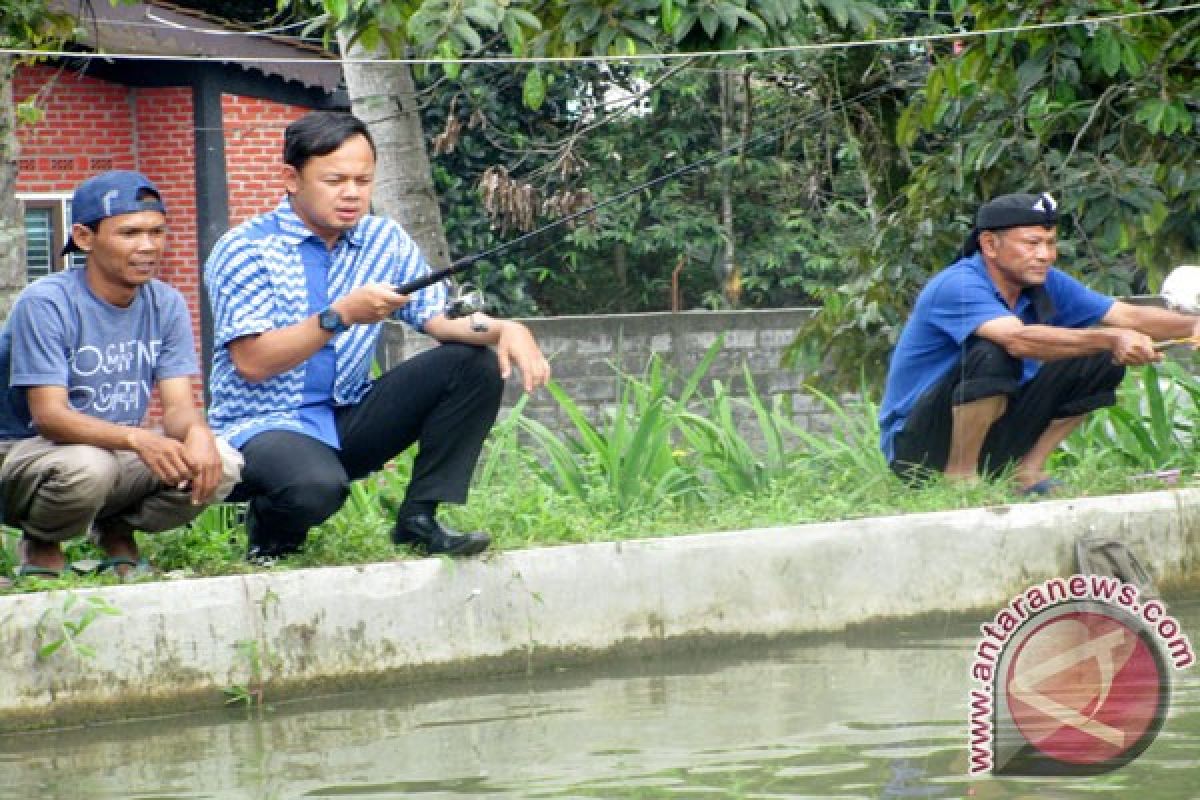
671, 460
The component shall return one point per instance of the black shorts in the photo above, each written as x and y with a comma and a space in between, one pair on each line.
1067, 388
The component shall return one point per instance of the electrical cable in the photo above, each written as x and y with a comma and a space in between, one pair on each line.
466, 262
631, 58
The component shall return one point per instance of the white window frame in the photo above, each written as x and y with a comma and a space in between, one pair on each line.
63, 202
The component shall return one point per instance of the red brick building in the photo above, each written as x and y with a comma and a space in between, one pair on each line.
207, 132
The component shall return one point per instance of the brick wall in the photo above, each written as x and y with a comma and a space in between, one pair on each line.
254, 153
166, 154
87, 128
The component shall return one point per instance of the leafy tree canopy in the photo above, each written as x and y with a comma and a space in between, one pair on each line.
1101, 115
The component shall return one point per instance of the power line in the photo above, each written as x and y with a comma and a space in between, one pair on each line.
637, 57
467, 262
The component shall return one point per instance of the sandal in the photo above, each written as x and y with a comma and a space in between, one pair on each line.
1043, 488
137, 567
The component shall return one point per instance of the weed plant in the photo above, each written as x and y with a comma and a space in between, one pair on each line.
678, 456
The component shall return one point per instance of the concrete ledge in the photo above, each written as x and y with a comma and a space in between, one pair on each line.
176, 645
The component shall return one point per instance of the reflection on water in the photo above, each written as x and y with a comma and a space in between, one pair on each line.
861, 718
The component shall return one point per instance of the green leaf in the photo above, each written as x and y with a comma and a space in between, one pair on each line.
471, 40
369, 39
1110, 54
1030, 73
533, 92
640, 30
337, 9
47, 650
525, 19
28, 113
1153, 219
482, 16
838, 10
751, 19
1150, 113
590, 18
728, 15
710, 22
451, 67
604, 39
668, 14
683, 25
1132, 60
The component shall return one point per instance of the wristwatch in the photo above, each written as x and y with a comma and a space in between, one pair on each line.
331, 321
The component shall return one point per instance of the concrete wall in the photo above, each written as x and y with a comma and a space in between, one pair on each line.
586, 352
176, 645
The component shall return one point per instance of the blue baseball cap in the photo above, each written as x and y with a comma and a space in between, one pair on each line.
111, 194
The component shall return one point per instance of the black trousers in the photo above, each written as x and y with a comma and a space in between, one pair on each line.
1066, 388
444, 399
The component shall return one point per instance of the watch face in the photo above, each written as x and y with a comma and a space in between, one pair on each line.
331, 320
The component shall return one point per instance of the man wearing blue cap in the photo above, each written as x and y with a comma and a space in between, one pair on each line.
80, 354
1004, 355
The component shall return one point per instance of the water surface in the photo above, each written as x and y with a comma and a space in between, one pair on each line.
869, 716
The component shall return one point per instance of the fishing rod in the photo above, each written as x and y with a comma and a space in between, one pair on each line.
467, 305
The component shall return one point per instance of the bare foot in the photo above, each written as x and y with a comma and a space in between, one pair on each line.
1026, 478
118, 544
38, 555
962, 478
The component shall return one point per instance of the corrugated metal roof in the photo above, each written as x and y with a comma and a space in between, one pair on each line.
163, 29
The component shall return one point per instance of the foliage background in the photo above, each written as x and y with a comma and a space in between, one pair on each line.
853, 173
841, 177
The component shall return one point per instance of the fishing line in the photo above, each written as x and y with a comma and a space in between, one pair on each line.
466, 262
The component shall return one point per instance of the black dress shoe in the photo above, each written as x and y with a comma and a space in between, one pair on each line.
265, 556
425, 533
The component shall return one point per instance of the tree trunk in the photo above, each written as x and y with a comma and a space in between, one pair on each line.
727, 92
384, 97
12, 222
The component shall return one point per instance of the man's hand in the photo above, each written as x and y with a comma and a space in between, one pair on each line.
166, 457
204, 460
516, 348
1133, 349
371, 303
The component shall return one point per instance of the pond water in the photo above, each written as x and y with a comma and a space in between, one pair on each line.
878, 715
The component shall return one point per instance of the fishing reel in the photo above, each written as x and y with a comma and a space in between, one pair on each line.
468, 301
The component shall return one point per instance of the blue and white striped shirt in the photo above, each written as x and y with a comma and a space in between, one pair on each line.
256, 282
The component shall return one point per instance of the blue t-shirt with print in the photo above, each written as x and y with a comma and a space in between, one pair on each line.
949, 309
107, 357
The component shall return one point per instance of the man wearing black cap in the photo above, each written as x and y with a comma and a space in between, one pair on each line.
79, 357
1004, 355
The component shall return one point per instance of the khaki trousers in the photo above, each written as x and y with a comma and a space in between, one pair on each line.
55, 492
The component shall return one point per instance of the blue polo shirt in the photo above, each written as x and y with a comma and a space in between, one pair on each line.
271, 272
316, 408
949, 309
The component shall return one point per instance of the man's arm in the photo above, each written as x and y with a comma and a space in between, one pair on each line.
515, 345
1050, 343
183, 422
259, 357
1157, 323
55, 420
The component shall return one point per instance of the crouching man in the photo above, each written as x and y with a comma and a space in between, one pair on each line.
81, 352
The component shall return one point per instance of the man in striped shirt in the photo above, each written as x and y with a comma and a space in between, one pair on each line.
298, 296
